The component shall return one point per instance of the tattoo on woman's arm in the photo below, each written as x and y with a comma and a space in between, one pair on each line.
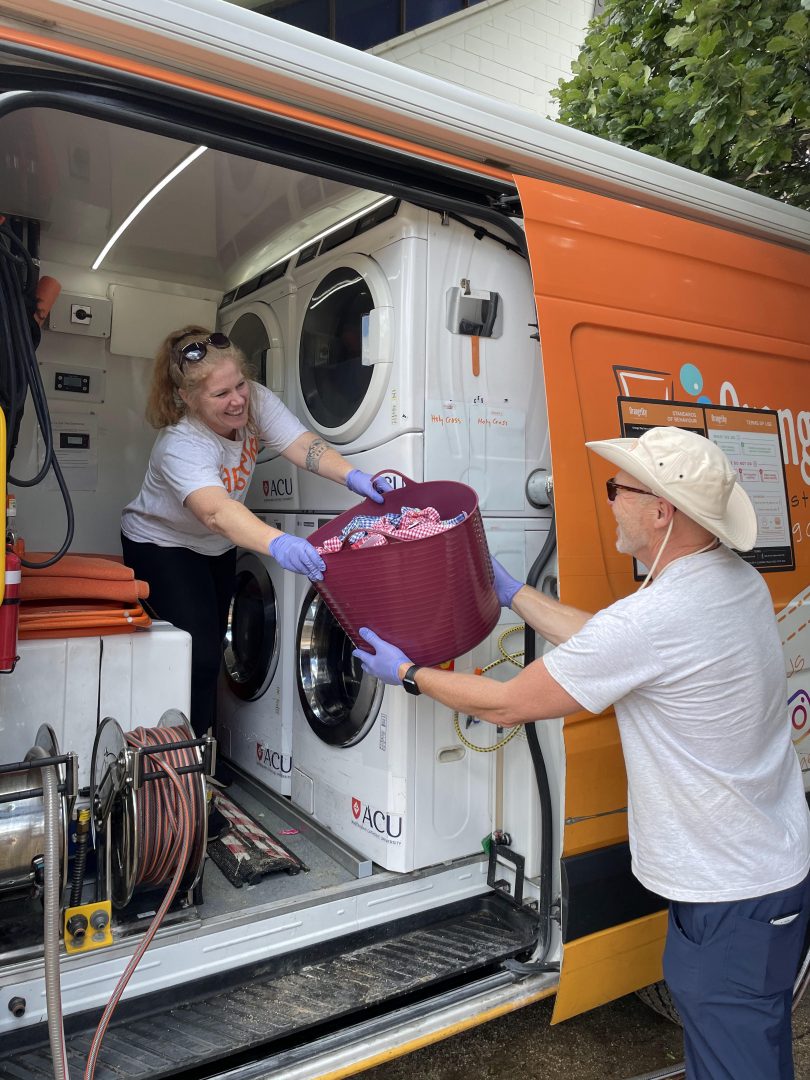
317, 448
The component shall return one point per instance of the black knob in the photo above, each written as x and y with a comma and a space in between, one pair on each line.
17, 1007
77, 926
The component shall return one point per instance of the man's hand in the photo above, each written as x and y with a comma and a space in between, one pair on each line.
386, 660
505, 585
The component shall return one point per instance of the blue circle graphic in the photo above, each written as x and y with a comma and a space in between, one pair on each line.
691, 379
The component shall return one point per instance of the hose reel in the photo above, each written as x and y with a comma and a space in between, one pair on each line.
23, 818
133, 804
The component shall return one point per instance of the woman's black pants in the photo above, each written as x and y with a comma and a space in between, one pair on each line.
193, 592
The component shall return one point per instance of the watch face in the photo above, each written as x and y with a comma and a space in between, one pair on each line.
408, 681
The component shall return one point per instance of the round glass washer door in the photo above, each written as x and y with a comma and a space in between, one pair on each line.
339, 700
253, 633
345, 348
257, 332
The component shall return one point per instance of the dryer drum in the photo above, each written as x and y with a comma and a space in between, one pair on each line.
434, 598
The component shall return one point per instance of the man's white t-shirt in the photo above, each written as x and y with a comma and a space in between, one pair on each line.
693, 665
188, 456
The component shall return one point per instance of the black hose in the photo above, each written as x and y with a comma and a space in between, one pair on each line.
18, 281
79, 860
540, 771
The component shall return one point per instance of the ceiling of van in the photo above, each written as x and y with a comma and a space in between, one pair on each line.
218, 222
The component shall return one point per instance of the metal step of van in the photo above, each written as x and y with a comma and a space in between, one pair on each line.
196, 1028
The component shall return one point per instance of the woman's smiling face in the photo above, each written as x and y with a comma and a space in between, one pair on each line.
222, 399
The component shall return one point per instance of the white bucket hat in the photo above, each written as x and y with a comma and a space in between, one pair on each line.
693, 474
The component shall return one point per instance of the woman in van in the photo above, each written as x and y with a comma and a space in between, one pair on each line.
181, 531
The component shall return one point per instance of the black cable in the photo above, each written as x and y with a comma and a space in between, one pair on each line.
22, 346
18, 280
540, 771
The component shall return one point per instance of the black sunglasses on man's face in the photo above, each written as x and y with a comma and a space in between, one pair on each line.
613, 489
196, 350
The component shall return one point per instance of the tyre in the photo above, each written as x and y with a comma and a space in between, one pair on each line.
659, 999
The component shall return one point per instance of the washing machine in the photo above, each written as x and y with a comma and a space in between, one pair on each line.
418, 352
360, 374
254, 699
133, 677
485, 405
261, 323
381, 769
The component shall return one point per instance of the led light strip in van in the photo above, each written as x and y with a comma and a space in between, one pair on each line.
184, 164
333, 228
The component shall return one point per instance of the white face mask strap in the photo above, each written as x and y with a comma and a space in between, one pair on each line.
651, 571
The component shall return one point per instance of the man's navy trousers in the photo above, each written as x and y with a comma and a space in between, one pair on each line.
731, 969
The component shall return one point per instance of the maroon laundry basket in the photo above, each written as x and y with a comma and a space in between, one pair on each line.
434, 598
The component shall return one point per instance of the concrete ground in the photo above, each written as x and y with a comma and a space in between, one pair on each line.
620, 1040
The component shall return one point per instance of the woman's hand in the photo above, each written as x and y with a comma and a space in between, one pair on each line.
363, 484
298, 555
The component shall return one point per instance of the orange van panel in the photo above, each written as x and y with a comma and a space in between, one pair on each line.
634, 302
610, 964
626, 298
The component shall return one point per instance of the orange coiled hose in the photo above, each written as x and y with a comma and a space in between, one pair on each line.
159, 806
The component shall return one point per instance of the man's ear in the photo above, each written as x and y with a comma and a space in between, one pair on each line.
666, 512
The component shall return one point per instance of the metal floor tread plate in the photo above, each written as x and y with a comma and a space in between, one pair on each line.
273, 1005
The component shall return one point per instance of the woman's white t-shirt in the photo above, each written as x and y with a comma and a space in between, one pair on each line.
188, 456
694, 667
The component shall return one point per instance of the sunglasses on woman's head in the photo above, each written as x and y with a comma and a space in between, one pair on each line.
613, 489
196, 350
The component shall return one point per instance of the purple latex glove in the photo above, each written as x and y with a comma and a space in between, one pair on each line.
384, 663
361, 484
505, 585
297, 554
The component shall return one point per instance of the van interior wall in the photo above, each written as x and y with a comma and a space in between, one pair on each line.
104, 477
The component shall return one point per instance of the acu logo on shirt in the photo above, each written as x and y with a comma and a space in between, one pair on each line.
238, 478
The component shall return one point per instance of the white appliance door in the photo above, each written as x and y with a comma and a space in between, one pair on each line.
340, 702
253, 634
345, 349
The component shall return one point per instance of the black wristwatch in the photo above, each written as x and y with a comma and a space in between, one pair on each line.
408, 679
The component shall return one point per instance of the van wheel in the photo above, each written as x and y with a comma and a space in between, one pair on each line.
659, 999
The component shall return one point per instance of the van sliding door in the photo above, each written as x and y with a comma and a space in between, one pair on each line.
636, 303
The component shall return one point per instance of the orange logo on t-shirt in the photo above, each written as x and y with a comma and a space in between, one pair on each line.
238, 478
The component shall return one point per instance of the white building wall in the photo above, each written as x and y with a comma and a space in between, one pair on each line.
514, 50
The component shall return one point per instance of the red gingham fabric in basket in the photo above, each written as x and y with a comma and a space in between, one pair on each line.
412, 524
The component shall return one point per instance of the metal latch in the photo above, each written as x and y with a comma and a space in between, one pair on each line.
503, 853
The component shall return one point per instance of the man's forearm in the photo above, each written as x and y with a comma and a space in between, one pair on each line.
554, 621
470, 695
531, 695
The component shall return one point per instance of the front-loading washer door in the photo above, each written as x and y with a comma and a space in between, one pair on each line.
339, 700
342, 389
257, 333
253, 633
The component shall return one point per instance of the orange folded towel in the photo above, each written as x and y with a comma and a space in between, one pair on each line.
39, 620
104, 567
36, 587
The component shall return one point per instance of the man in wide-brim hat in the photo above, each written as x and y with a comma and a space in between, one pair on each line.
692, 661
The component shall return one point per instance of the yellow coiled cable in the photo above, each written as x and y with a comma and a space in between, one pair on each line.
512, 658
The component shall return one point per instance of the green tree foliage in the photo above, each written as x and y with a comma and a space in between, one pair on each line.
720, 86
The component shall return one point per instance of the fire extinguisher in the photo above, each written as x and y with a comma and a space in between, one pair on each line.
9, 613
